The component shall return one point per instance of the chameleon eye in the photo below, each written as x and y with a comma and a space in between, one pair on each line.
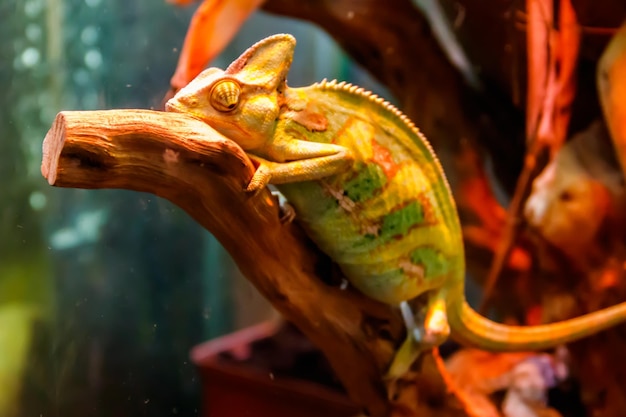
225, 95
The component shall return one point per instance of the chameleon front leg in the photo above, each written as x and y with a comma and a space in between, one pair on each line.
297, 160
420, 337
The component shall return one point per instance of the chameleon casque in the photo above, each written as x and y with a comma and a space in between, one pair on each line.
369, 191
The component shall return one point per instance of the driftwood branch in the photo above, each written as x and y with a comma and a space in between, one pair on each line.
185, 161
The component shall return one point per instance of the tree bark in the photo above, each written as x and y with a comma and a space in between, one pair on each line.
187, 162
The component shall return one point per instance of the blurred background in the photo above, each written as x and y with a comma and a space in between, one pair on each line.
103, 293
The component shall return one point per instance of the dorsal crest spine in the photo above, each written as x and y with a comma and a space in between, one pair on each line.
353, 89
334, 85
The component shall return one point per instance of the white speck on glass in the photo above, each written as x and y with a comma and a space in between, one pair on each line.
93, 58
30, 57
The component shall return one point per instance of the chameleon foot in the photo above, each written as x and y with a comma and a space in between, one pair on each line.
262, 176
259, 180
433, 332
436, 327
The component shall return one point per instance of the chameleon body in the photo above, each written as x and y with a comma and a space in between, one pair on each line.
368, 189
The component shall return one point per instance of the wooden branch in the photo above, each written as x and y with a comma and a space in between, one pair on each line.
185, 161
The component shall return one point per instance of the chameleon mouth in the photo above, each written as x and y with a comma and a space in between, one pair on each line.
173, 106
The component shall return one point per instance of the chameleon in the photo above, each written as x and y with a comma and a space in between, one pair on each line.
368, 189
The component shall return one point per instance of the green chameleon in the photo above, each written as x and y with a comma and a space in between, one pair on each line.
369, 191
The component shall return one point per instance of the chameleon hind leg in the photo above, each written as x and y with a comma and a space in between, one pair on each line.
420, 337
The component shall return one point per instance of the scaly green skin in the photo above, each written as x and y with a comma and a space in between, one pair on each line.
368, 189
394, 226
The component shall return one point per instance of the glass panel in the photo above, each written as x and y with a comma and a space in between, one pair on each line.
103, 293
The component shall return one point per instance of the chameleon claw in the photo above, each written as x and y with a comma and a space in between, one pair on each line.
259, 180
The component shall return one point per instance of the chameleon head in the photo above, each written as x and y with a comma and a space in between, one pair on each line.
243, 101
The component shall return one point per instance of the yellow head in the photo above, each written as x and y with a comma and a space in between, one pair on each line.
243, 101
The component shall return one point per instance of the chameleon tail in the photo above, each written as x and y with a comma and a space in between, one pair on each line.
469, 327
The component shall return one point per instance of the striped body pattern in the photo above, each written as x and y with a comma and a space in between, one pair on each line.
389, 221
368, 189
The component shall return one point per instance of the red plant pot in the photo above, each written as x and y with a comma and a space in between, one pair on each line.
233, 385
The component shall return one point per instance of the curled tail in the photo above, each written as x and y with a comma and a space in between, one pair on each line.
469, 327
